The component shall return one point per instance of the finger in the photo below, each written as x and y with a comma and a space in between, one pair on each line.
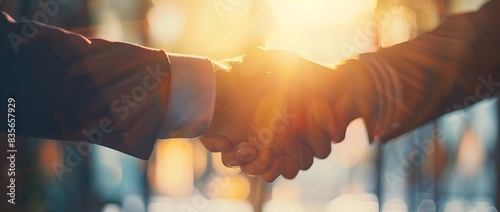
273, 172
317, 141
216, 143
329, 119
263, 161
229, 159
334, 130
339, 135
290, 168
246, 151
295, 149
307, 159
241, 154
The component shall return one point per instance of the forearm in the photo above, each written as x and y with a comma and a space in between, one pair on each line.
441, 71
119, 95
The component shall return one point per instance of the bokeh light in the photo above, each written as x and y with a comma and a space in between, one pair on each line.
174, 167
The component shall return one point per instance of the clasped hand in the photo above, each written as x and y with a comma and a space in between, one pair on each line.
276, 111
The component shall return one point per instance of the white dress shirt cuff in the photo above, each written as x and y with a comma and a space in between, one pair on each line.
191, 101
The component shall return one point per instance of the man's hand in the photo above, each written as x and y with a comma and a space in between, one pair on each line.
314, 104
257, 112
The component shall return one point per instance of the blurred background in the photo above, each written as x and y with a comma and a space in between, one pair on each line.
448, 165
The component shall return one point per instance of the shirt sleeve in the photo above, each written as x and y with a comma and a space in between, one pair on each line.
90, 90
192, 97
447, 69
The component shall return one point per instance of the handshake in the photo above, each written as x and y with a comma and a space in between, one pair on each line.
275, 111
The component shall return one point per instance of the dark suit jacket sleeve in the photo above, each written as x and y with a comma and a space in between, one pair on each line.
68, 87
449, 68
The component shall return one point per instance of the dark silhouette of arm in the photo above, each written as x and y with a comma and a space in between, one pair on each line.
453, 66
68, 87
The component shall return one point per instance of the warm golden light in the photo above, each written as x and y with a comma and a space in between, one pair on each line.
326, 31
229, 187
200, 156
397, 27
470, 154
166, 22
109, 26
174, 167
319, 13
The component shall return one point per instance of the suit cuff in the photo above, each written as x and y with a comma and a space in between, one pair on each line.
192, 97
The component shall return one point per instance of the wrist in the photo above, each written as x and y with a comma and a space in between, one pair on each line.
229, 117
222, 101
361, 89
